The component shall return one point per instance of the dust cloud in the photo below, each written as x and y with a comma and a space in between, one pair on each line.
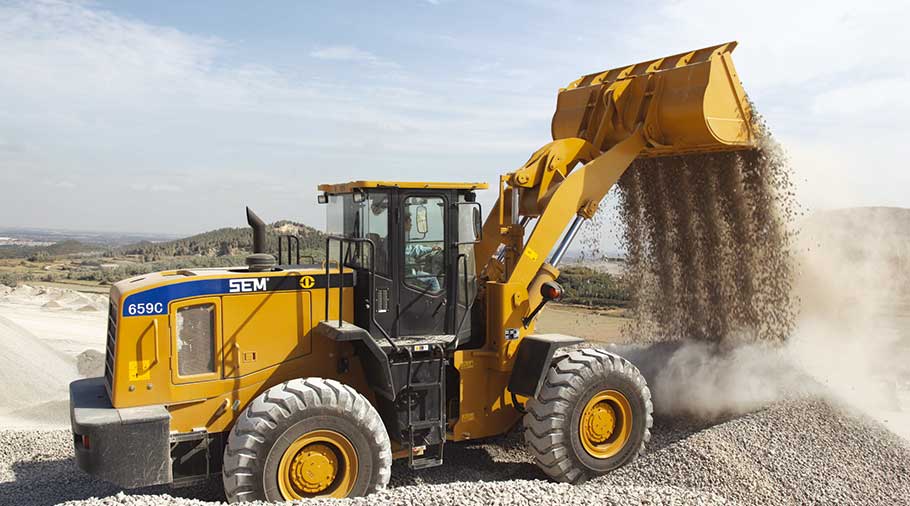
853, 333
851, 336
699, 380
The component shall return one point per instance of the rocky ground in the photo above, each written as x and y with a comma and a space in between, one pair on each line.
775, 435
794, 452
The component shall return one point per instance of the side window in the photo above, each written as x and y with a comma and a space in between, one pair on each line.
375, 220
468, 218
196, 339
424, 243
367, 219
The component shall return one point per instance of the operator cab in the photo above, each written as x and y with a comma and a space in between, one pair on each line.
412, 248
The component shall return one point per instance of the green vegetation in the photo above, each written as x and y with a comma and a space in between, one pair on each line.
590, 287
74, 261
77, 262
230, 242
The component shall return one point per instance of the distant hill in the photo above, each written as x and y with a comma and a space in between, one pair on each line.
25, 235
62, 248
227, 242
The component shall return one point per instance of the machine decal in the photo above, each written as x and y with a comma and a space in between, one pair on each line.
155, 301
247, 285
140, 370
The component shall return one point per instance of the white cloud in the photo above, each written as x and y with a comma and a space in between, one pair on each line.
878, 100
127, 108
349, 54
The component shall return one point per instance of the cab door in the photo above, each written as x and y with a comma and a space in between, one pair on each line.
373, 220
422, 268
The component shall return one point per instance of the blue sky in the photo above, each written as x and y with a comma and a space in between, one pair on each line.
171, 116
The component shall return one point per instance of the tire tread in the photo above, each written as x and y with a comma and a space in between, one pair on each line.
248, 442
548, 413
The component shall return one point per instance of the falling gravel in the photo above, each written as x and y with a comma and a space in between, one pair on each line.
708, 251
794, 452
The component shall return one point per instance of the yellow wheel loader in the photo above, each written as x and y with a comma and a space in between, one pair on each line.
296, 380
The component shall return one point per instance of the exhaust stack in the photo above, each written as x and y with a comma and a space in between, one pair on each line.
259, 260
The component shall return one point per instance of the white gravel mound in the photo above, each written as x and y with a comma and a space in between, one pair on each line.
53, 298
794, 452
31, 371
42, 330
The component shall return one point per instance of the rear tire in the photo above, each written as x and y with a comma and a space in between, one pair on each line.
592, 415
304, 438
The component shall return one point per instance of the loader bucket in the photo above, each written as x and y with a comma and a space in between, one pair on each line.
686, 103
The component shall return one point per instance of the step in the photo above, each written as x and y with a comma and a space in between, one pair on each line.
425, 424
425, 462
424, 386
419, 343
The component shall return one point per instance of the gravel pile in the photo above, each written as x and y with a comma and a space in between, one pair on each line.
90, 363
794, 452
22, 357
54, 298
800, 452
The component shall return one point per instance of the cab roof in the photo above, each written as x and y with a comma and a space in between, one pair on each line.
354, 185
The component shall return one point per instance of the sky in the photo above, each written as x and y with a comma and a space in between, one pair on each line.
170, 117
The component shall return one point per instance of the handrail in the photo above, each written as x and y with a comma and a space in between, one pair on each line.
328, 281
288, 237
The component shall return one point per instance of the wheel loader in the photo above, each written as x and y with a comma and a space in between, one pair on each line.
297, 379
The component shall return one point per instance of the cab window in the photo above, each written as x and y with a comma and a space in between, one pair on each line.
196, 339
365, 217
424, 241
373, 214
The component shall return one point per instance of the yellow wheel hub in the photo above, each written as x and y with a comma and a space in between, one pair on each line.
321, 463
606, 424
314, 468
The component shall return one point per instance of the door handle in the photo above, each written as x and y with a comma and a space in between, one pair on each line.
155, 323
439, 306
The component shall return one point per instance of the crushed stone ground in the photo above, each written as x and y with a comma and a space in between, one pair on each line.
793, 452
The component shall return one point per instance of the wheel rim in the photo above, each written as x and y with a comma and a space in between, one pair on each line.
320, 463
605, 424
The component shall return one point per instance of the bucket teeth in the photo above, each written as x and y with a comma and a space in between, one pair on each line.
650, 66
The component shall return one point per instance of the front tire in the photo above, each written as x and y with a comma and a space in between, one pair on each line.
592, 415
306, 438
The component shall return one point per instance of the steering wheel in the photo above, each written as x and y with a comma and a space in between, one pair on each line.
423, 257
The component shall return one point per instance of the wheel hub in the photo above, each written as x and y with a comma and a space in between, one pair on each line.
606, 424
600, 422
314, 468
320, 463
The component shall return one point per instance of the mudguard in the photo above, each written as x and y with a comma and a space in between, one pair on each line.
533, 361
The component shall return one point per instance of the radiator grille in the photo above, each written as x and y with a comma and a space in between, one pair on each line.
111, 342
